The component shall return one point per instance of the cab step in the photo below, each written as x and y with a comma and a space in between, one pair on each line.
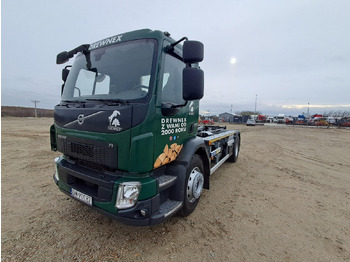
166, 181
170, 207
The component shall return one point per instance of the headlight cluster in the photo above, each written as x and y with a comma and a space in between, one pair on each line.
128, 193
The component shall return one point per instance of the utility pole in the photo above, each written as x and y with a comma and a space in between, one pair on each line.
35, 102
256, 98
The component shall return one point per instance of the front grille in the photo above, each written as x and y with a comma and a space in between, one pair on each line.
86, 151
101, 153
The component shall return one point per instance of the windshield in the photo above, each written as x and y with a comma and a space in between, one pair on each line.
118, 72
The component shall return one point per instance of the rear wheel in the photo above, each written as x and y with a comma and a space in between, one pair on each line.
233, 158
193, 185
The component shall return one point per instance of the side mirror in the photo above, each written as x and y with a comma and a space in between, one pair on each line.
192, 83
65, 73
62, 58
65, 56
193, 52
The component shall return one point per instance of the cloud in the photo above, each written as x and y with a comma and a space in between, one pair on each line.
314, 106
288, 52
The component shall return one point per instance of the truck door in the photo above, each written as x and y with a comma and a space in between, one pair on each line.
176, 120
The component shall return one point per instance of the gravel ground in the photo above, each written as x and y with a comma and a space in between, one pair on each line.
286, 199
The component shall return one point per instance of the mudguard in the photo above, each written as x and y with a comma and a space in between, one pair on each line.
193, 146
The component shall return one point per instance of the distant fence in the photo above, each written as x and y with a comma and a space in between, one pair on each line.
24, 112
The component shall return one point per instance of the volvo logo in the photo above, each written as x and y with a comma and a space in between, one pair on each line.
80, 119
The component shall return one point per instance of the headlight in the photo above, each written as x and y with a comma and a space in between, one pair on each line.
128, 193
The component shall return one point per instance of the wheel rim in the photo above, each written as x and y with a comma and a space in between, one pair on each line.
194, 185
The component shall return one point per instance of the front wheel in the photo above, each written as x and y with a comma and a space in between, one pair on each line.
233, 158
193, 185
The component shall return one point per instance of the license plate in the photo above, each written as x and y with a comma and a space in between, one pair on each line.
81, 196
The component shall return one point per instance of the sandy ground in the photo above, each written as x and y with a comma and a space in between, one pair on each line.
286, 199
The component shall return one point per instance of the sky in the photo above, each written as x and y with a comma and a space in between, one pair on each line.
289, 55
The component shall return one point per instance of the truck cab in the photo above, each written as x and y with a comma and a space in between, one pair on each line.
127, 127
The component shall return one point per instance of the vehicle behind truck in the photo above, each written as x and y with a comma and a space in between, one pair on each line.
127, 128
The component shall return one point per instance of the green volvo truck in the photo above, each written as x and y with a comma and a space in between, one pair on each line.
127, 127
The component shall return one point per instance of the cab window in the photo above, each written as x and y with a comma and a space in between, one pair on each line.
172, 81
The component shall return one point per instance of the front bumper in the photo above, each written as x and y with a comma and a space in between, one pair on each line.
132, 216
103, 189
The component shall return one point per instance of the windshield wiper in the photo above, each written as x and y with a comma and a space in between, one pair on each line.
73, 101
67, 102
110, 101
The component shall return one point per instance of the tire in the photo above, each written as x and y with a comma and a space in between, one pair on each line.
193, 185
236, 146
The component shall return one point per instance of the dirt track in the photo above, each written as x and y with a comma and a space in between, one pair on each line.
286, 199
